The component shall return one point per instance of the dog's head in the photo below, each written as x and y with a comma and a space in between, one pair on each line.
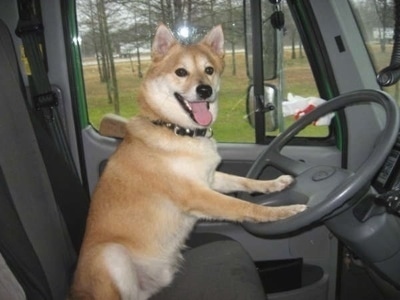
182, 83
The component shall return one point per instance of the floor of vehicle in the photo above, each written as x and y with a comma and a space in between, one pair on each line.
360, 283
356, 284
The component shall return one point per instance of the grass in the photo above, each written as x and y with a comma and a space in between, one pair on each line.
231, 125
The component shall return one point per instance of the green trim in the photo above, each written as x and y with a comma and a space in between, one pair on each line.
339, 132
77, 65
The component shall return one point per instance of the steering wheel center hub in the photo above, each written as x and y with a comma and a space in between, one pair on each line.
323, 173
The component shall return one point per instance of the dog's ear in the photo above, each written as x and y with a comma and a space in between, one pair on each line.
215, 39
163, 41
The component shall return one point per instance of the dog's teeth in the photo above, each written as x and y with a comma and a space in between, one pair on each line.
187, 105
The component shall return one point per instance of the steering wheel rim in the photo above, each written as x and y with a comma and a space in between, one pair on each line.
313, 184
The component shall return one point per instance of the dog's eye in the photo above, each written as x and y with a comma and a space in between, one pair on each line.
181, 72
209, 70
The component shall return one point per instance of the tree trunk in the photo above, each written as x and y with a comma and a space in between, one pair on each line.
112, 83
293, 44
233, 40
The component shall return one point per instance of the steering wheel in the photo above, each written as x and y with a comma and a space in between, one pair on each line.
324, 189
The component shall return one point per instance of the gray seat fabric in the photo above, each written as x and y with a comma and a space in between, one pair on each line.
215, 271
34, 239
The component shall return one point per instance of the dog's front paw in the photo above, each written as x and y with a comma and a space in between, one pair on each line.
284, 212
270, 214
279, 183
294, 209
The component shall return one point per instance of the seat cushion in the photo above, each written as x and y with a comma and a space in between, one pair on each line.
218, 270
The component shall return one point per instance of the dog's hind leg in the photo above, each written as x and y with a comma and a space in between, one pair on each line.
122, 271
105, 272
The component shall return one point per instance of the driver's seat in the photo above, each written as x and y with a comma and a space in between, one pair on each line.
43, 209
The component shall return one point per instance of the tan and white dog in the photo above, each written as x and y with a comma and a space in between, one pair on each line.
163, 178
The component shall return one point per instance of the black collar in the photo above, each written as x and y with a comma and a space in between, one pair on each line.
202, 132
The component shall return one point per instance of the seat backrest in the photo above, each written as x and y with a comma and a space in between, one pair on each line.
42, 205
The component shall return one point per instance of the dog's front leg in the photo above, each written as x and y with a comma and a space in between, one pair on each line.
208, 204
226, 183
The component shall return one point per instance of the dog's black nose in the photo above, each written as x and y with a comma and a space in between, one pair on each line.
204, 91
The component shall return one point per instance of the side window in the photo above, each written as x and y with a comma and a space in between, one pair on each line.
116, 36
377, 27
298, 87
289, 84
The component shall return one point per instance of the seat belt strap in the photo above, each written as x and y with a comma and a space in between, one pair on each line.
30, 30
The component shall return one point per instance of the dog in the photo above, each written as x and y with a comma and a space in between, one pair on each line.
162, 178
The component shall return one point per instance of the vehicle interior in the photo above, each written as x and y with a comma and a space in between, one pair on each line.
310, 89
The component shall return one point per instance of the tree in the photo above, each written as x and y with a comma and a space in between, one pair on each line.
95, 17
107, 55
385, 13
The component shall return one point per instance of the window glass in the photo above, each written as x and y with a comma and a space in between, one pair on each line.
376, 21
298, 92
116, 36
289, 84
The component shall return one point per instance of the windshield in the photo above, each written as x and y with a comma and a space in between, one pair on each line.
376, 22
116, 37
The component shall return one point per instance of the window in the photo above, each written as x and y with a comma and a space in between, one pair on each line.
295, 81
376, 21
116, 36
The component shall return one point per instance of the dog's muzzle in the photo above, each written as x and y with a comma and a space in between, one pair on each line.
198, 110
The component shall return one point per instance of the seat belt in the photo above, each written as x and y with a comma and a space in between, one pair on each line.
72, 199
30, 30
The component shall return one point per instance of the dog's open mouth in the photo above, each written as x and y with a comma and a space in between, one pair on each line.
198, 110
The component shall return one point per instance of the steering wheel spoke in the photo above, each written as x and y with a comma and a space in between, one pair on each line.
275, 159
286, 164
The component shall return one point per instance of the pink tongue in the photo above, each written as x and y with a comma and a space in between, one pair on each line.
201, 113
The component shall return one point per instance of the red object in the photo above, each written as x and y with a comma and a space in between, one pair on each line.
302, 112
